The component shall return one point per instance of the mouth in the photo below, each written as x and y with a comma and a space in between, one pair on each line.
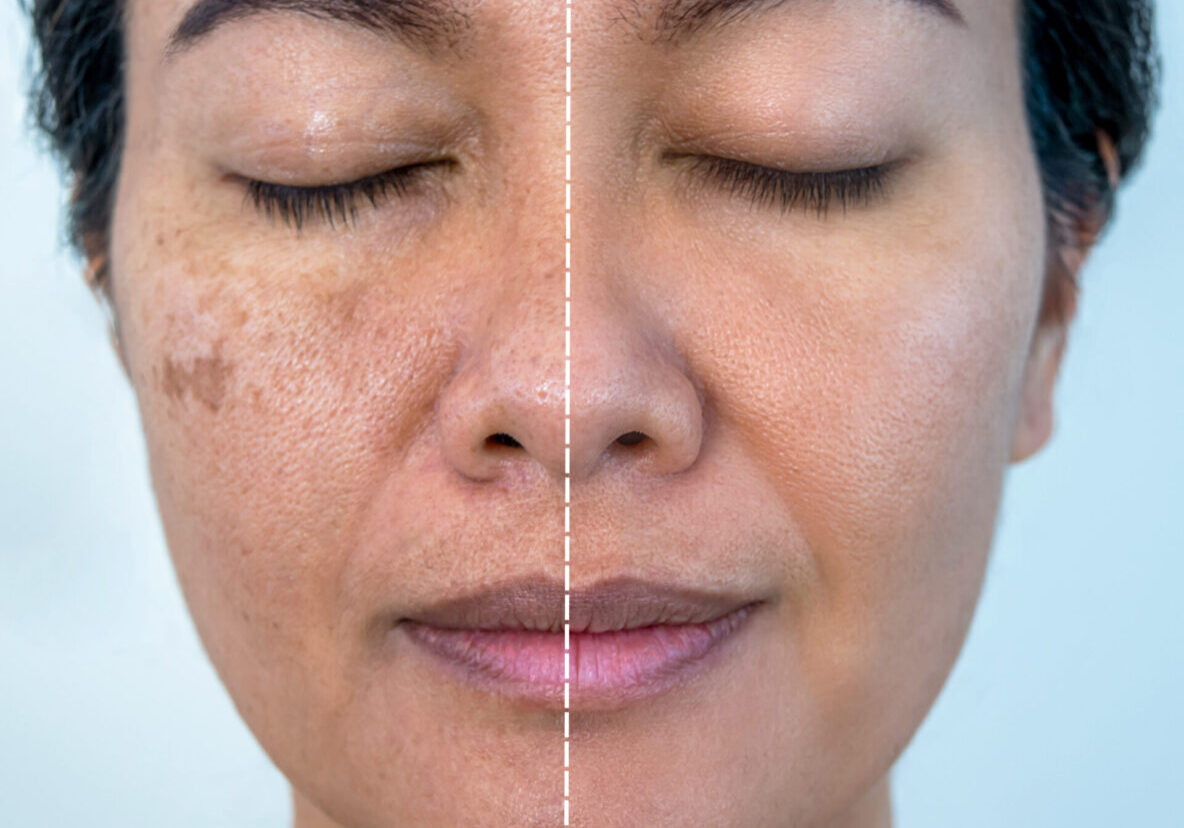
627, 639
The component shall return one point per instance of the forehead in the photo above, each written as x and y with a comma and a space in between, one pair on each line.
957, 55
178, 23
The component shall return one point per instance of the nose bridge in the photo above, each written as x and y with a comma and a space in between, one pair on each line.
504, 405
503, 409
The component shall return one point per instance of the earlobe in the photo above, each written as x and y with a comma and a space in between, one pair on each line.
98, 279
1034, 424
1035, 419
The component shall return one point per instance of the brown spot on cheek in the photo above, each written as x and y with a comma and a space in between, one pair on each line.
204, 379
346, 305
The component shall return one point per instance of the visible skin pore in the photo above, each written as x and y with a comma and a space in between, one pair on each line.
829, 403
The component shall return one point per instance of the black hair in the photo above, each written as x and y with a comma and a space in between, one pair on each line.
1091, 75
1090, 78
77, 101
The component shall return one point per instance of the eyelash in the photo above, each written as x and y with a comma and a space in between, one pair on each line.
765, 187
334, 203
768, 187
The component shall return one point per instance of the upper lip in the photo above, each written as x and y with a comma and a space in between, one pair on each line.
616, 604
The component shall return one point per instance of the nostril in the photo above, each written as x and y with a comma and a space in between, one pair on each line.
631, 438
501, 439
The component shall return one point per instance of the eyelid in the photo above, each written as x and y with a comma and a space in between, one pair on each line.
773, 187
336, 202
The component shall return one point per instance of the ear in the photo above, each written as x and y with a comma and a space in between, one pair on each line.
1035, 421
1072, 239
98, 279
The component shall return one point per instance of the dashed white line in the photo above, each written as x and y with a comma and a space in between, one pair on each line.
567, 419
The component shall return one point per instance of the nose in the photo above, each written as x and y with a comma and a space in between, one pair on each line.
634, 406
502, 412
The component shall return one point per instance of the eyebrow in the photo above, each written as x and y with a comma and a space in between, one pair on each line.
679, 18
419, 23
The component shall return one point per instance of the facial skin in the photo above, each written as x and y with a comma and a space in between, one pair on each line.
862, 379
828, 401
310, 399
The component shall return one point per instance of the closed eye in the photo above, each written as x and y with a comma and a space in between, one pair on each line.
788, 190
337, 204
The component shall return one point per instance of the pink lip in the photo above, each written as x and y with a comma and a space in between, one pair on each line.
628, 640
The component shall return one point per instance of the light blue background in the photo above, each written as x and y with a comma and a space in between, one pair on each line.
1064, 710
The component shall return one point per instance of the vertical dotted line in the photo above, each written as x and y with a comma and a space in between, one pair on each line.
567, 419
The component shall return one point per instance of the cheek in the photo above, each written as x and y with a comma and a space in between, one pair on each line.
900, 428
273, 409
874, 385
916, 383
883, 421
878, 387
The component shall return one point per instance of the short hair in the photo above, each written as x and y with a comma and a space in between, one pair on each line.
1089, 67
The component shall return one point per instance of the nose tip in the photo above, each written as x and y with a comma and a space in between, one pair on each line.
634, 404
492, 420
633, 408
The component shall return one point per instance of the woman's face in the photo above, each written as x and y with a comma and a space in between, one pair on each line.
793, 397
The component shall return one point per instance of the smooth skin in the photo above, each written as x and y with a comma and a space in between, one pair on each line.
828, 402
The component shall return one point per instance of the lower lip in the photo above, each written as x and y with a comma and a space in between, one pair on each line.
606, 668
